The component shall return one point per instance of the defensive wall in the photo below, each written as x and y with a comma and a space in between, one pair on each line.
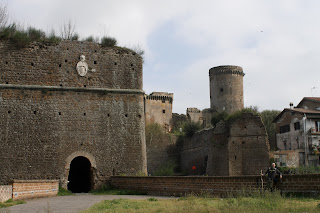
237, 148
220, 186
56, 107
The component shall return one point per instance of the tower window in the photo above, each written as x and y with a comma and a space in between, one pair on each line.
164, 111
221, 89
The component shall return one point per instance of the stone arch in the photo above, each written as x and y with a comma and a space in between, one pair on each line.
72, 156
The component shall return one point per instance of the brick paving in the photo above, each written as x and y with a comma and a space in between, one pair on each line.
68, 204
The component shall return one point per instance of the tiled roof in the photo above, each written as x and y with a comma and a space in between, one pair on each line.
313, 98
300, 110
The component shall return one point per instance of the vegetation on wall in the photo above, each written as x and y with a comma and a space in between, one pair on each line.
21, 37
267, 117
190, 128
300, 170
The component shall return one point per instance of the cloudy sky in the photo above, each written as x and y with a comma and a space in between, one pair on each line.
277, 42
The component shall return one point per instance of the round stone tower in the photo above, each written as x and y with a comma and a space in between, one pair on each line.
226, 88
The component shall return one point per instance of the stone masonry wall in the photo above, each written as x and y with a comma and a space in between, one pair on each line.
55, 65
5, 193
222, 186
239, 149
26, 189
248, 146
49, 114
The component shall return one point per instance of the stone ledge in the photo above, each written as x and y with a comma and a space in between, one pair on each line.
34, 181
74, 89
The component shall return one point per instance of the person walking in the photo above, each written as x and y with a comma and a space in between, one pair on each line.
272, 178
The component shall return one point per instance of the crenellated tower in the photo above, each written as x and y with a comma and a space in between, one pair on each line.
226, 88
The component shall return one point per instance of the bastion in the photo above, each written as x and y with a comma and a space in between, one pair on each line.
73, 111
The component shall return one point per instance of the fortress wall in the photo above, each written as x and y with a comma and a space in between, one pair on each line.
55, 65
239, 149
42, 124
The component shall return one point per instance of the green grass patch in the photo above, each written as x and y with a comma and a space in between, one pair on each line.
63, 192
266, 202
109, 190
11, 203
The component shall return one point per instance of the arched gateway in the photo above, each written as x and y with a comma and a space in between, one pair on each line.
80, 172
80, 177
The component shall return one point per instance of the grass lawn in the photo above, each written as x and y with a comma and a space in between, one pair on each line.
11, 203
263, 203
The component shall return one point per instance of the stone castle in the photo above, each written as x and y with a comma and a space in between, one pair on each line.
73, 112
229, 149
76, 112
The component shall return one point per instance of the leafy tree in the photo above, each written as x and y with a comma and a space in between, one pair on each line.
218, 117
267, 117
191, 128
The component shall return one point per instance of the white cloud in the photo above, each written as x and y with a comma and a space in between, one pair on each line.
276, 42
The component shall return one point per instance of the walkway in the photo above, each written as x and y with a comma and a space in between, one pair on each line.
67, 204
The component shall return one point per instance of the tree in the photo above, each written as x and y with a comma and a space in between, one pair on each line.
68, 31
4, 16
267, 117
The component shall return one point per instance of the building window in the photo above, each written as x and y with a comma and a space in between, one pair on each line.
163, 101
296, 125
164, 111
280, 160
285, 128
317, 126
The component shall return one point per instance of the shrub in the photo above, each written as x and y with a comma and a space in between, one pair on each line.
64, 192
90, 39
75, 37
20, 39
107, 41
191, 128
167, 169
8, 32
35, 34
218, 117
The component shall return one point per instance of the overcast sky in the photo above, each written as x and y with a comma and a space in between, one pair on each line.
276, 42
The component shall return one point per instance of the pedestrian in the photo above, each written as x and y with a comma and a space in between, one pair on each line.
272, 176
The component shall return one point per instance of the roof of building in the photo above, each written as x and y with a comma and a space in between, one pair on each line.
299, 110
314, 99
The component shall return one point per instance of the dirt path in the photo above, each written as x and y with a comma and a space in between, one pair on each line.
67, 204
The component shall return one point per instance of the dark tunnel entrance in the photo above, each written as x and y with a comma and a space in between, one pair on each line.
80, 175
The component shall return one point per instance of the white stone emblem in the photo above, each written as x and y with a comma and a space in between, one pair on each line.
82, 66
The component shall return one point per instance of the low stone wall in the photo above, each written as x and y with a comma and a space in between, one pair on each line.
180, 186
25, 189
5, 193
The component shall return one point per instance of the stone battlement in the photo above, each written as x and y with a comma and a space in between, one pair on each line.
160, 96
228, 69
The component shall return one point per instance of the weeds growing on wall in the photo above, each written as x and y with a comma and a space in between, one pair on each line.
190, 128
300, 170
64, 192
107, 41
166, 169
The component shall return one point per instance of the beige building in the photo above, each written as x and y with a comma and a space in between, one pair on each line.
298, 134
158, 109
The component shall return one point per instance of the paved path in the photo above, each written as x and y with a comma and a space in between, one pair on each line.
67, 204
